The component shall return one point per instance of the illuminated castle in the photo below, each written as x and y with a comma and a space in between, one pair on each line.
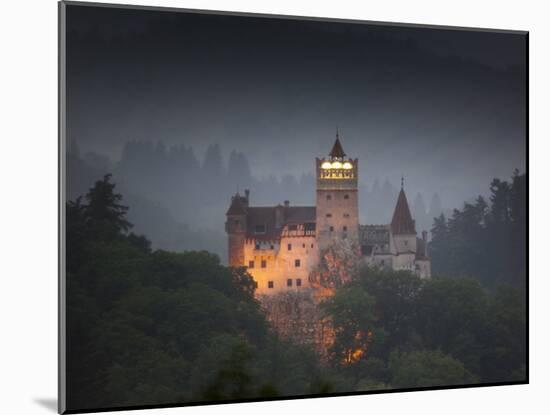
280, 245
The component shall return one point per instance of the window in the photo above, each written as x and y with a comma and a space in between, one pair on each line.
298, 282
264, 263
255, 284
346, 197
303, 245
271, 246
382, 263
346, 215
292, 227
312, 245
296, 263
270, 284
289, 247
257, 245
345, 228
237, 222
406, 242
329, 215
289, 282
329, 197
331, 228
250, 264
259, 229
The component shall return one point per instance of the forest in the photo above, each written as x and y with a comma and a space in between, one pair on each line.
486, 239
149, 326
165, 186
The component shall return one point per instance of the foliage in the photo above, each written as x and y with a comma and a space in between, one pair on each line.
441, 331
484, 240
161, 327
150, 327
427, 368
338, 263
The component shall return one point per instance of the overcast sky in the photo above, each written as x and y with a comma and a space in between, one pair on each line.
446, 108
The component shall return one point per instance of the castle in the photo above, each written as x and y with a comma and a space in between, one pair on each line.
280, 245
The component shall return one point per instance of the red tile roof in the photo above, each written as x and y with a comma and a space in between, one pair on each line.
402, 221
238, 205
266, 216
337, 150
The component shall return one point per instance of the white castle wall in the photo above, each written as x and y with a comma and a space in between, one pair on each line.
281, 263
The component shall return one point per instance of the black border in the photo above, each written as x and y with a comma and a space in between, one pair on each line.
62, 407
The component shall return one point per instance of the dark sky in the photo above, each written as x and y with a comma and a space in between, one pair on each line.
446, 108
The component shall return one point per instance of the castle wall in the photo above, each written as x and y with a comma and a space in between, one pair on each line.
337, 215
423, 268
403, 243
236, 243
281, 263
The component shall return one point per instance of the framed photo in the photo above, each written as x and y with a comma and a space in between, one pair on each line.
260, 207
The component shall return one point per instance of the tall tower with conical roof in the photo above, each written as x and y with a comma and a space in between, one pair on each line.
337, 215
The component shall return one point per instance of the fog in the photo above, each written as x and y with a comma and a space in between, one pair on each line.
258, 99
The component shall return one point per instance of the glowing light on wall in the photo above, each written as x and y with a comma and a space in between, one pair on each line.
326, 165
336, 165
347, 165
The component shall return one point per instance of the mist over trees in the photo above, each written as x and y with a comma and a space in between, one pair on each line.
486, 239
179, 199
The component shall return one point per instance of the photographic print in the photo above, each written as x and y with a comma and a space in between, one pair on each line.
261, 207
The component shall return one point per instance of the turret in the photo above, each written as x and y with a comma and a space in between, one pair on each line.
402, 224
235, 226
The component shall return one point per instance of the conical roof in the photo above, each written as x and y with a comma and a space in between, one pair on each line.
237, 206
402, 221
337, 150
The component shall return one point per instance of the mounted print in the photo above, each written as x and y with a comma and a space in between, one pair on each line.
258, 207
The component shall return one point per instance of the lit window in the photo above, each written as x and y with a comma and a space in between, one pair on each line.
289, 282
298, 282
270, 284
264, 263
289, 247
297, 263
250, 264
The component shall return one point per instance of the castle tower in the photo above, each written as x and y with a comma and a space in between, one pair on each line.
402, 225
336, 203
235, 226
